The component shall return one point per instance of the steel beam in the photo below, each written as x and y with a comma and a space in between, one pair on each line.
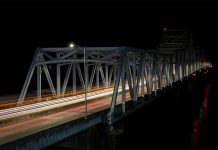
123, 81
67, 75
106, 75
134, 77
115, 92
28, 78
39, 82
74, 75
92, 76
175, 59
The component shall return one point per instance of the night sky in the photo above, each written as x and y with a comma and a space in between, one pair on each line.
24, 26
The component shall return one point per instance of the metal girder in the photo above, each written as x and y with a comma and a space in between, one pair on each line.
175, 58
28, 78
39, 81
142, 75
123, 82
139, 75
116, 86
58, 77
92, 76
66, 79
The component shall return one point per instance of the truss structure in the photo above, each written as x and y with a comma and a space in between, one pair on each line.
144, 70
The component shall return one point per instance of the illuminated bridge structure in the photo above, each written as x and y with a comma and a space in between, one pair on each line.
124, 75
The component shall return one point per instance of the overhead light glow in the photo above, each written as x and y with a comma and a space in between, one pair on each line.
71, 45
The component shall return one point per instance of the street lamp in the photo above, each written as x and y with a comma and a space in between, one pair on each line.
72, 45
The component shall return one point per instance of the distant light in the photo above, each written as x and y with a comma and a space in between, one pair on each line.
164, 29
71, 45
193, 74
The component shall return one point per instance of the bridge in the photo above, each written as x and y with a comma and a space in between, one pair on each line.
93, 85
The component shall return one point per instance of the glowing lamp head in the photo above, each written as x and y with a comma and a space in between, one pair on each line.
71, 45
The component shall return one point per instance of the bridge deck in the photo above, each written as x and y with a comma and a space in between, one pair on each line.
13, 131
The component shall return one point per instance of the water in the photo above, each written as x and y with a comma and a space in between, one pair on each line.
184, 118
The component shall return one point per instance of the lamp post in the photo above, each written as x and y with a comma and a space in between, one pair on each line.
85, 78
72, 45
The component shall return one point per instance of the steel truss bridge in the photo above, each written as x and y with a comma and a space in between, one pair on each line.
121, 73
143, 70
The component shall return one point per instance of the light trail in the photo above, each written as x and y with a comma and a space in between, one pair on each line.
60, 102
45, 97
48, 105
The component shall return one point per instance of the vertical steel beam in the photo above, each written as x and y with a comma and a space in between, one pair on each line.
139, 74
123, 80
58, 80
179, 66
87, 76
129, 79
102, 75
158, 73
115, 72
183, 64
97, 76
74, 75
58, 77
134, 76
164, 76
116, 85
92, 76
150, 74
39, 82
167, 72
106, 75
110, 75
171, 70
147, 79
154, 74
143, 75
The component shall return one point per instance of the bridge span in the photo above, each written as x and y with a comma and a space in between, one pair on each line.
106, 84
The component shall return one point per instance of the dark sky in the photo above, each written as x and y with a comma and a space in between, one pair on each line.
24, 26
